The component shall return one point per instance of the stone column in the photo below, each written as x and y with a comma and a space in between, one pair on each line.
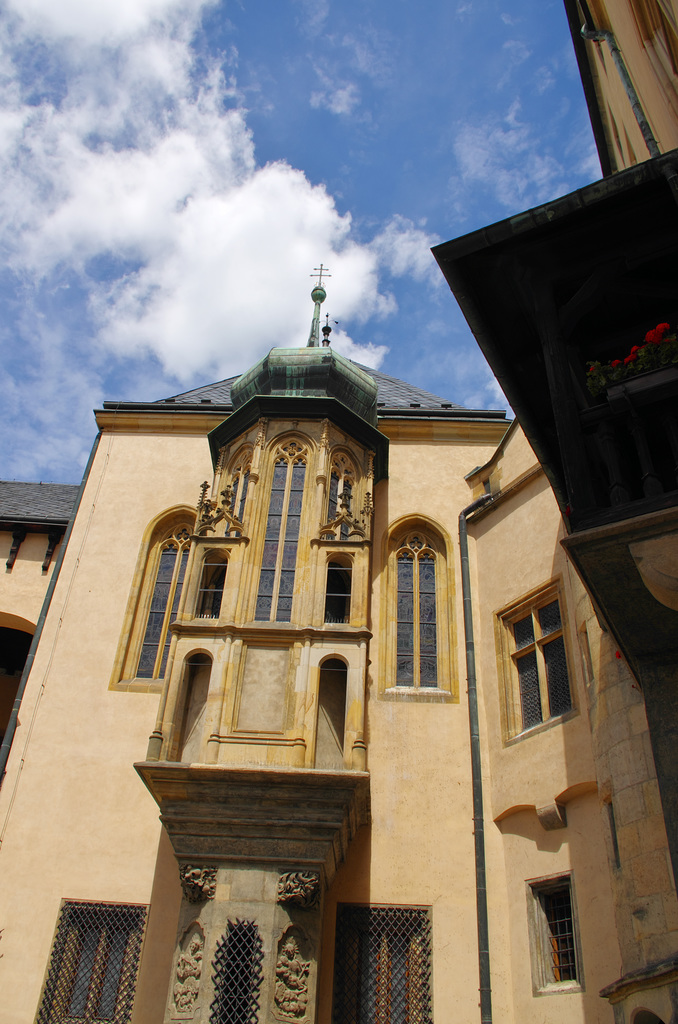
247, 936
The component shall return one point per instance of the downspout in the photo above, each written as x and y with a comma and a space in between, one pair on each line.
602, 35
476, 772
11, 727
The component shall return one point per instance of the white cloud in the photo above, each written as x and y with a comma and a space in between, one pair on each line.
97, 21
405, 250
338, 99
147, 246
508, 158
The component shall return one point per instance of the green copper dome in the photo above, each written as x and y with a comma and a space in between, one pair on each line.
309, 373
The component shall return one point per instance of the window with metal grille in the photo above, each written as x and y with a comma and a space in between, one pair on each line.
93, 967
276, 581
382, 965
417, 643
554, 934
540, 687
237, 975
164, 605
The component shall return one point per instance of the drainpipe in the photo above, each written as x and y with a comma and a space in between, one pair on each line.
11, 727
600, 36
595, 35
476, 773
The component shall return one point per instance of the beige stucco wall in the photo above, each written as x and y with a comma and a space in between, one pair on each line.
75, 820
23, 589
649, 63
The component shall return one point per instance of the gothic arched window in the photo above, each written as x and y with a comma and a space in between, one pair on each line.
164, 604
340, 491
276, 582
417, 634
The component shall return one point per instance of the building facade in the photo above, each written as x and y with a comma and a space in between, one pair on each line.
249, 779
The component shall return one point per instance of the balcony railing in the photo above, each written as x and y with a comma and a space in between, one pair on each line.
631, 446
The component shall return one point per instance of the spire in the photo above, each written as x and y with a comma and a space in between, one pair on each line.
318, 295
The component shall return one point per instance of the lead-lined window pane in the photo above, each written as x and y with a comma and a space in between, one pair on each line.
549, 618
560, 699
523, 631
530, 698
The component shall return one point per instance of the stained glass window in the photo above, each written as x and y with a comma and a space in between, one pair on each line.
276, 581
164, 605
417, 641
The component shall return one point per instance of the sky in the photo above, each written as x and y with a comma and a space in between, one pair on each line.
172, 171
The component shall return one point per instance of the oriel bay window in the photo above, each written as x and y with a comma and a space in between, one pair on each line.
417, 636
276, 581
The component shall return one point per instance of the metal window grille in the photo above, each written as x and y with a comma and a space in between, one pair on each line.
94, 963
382, 967
237, 975
557, 906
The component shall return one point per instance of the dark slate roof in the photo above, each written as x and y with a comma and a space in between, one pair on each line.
36, 503
392, 394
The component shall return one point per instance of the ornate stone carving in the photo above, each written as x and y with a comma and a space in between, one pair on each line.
325, 436
293, 450
291, 981
198, 884
260, 439
300, 887
187, 976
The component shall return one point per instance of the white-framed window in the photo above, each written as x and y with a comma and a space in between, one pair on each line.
538, 685
554, 936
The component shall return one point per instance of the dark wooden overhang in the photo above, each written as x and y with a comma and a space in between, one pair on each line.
581, 278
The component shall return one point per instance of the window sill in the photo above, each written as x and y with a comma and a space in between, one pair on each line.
542, 727
138, 685
559, 988
419, 695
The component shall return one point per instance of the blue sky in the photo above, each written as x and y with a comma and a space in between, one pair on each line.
173, 170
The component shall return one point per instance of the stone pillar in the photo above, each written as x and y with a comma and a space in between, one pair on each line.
248, 935
256, 848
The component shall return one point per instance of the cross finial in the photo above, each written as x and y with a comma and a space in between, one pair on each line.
320, 271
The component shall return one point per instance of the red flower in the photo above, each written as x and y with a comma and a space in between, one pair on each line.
617, 654
630, 359
662, 328
651, 337
635, 348
615, 363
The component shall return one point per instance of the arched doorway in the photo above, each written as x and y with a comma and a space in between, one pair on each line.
14, 645
329, 749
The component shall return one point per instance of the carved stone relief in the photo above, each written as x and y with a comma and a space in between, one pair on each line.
187, 974
299, 887
198, 884
291, 980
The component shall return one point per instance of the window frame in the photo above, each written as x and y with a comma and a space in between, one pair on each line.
294, 452
156, 535
541, 937
510, 654
354, 928
65, 964
446, 689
